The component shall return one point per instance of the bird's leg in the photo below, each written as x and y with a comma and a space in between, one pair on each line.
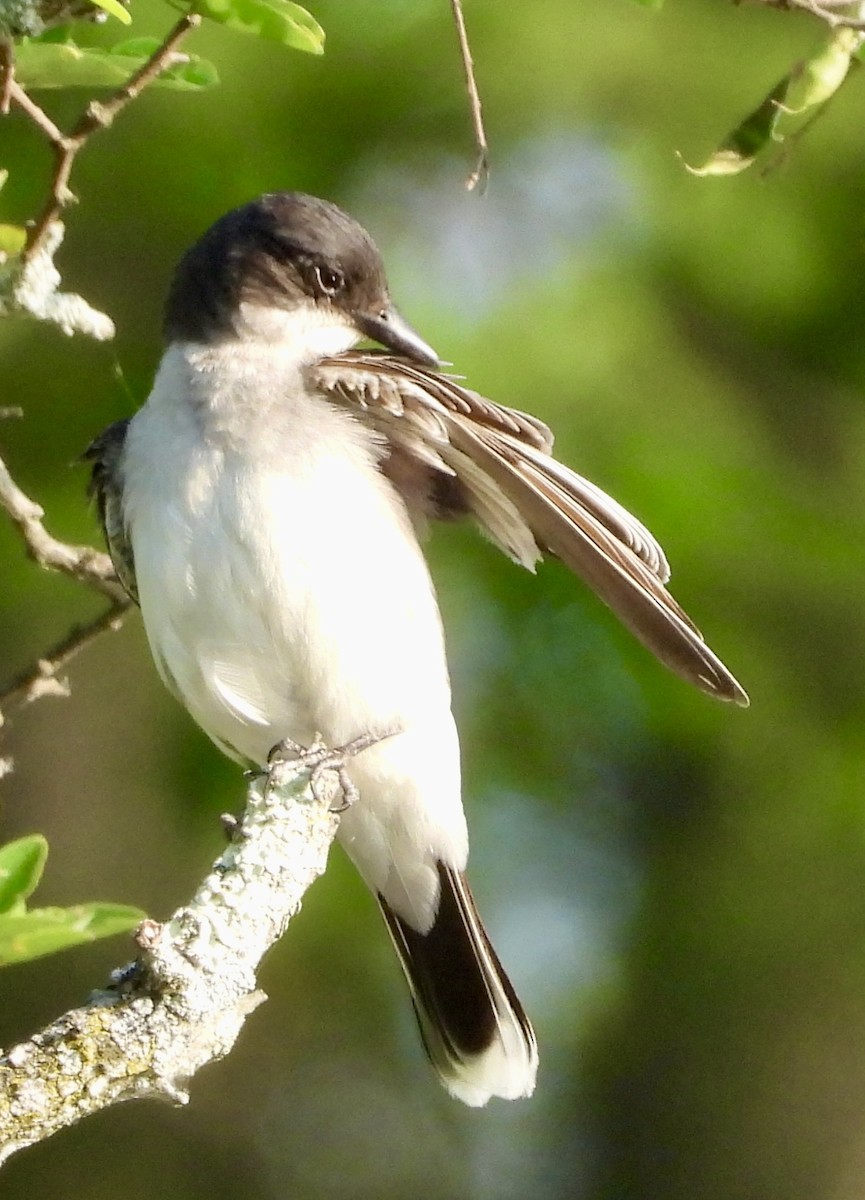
320, 760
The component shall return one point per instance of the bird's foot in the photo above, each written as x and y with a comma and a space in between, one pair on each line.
322, 762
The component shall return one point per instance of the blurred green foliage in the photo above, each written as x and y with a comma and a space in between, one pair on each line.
677, 887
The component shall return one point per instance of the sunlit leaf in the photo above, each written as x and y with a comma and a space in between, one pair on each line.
137, 47
805, 89
274, 20
817, 78
189, 74
650, 3
739, 150
115, 9
12, 241
41, 931
21, 861
25, 935
65, 65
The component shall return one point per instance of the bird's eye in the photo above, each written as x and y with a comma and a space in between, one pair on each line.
329, 280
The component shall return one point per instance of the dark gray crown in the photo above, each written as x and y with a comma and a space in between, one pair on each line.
277, 251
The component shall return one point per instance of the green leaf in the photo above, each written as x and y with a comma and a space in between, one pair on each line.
115, 9
12, 241
41, 931
65, 65
58, 33
274, 20
137, 47
651, 3
816, 79
189, 75
21, 864
807, 87
742, 146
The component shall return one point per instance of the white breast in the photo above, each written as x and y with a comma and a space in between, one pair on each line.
284, 592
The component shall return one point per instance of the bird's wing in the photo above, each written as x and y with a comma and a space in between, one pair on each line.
525, 500
104, 453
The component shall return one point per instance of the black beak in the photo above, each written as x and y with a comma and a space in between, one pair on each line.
394, 333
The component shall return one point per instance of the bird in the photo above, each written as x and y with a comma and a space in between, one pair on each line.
265, 508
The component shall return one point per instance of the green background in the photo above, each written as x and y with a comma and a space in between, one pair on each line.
677, 887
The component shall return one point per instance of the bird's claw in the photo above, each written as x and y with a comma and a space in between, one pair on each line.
321, 761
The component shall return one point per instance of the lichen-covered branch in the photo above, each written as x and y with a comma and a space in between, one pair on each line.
30, 286
29, 18
183, 1002
29, 282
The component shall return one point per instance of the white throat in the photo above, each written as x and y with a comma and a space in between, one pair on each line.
305, 331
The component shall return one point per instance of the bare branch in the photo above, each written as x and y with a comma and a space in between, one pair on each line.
836, 13
97, 116
81, 562
7, 75
184, 1001
43, 677
37, 115
480, 175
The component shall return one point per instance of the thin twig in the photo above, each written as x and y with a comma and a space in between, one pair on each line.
36, 114
7, 75
42, 678
97, 116
830, 11
81, 562
480, 175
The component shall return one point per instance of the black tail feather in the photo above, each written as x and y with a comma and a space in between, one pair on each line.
475, 1031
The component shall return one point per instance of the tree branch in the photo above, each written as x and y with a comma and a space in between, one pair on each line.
96, 116
836, 13
29, 284
81, 562
42, 678
7, 75
185, 999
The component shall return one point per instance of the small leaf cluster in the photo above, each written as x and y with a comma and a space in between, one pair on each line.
55, 60
790, 107
27, 933
799, 97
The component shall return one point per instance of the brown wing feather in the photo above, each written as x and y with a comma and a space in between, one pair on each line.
618, 577
526, 501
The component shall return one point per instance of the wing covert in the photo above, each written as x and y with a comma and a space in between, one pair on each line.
105, 486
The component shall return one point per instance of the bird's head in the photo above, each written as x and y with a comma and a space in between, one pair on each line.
287, 266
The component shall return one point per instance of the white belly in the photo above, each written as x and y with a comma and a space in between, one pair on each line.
285, 595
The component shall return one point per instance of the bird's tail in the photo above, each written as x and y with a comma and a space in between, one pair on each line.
475, 1031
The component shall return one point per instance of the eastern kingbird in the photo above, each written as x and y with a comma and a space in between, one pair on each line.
263, 508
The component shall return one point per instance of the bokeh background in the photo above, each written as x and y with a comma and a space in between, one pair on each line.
678, 888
